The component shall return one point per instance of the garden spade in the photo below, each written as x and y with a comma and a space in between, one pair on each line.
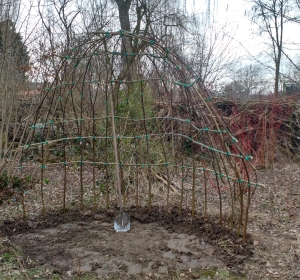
121, 222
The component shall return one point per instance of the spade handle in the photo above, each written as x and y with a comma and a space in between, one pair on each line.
116, 152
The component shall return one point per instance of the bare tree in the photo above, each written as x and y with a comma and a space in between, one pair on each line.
210, 53
270, 16
246, 81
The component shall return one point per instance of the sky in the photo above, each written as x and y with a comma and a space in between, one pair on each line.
244, 33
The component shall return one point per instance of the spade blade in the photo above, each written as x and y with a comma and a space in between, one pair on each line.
122, 222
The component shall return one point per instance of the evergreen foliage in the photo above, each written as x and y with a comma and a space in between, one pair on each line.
13, 48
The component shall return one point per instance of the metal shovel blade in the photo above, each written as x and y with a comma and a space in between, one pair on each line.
122, 222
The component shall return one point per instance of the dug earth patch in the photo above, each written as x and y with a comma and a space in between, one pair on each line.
89, 243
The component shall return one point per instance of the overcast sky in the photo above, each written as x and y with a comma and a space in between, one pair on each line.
245, 34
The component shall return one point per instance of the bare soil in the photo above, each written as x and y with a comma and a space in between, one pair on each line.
158, 242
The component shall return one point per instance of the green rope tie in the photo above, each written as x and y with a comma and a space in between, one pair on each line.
67, 57
81, 162
247, 158
43, 166
96, 53
51, 122
121, 33
21, 167
45, 143
152, 42
107, 35
240, 181
64, 163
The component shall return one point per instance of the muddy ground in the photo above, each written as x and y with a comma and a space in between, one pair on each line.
158, 242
